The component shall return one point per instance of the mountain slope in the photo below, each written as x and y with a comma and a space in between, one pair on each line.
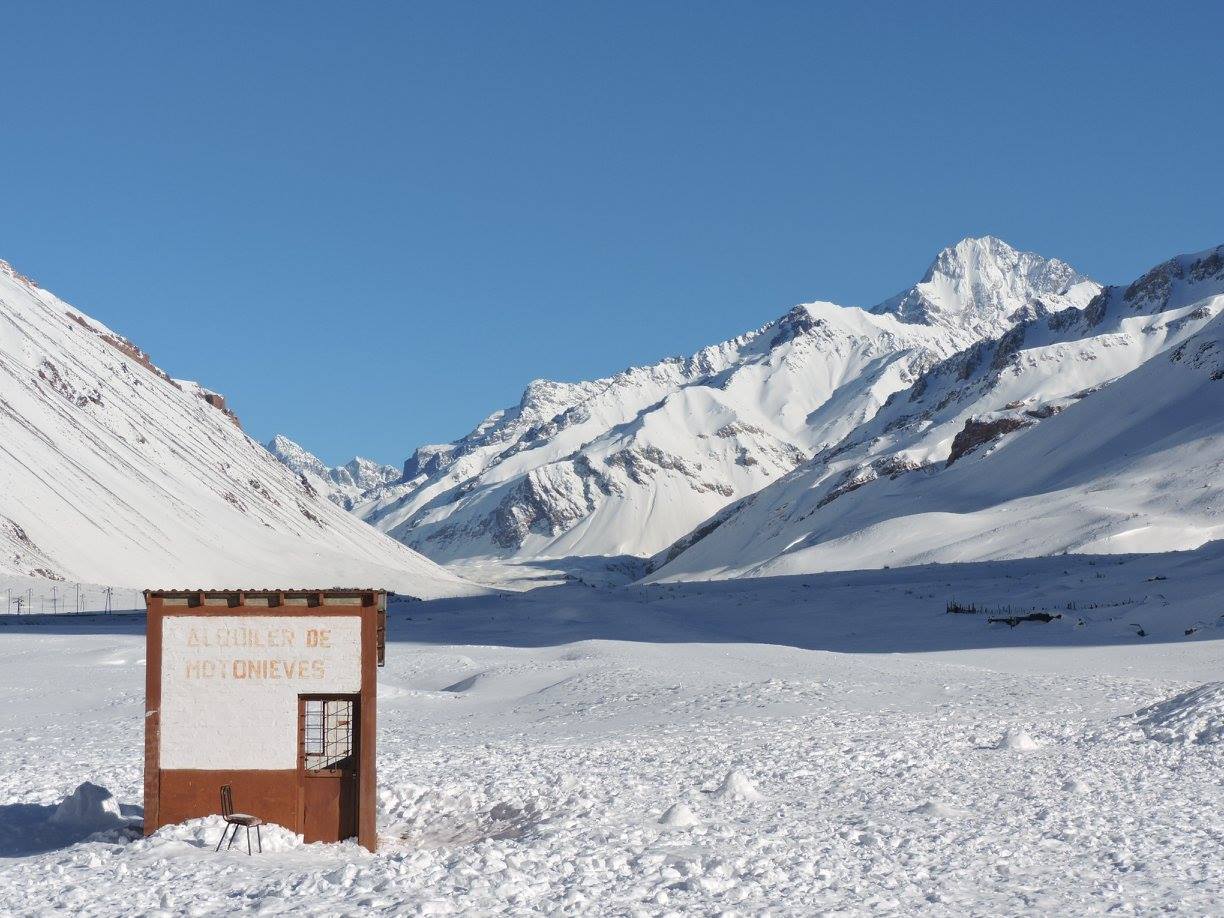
1099, 430
627, 464
112, 472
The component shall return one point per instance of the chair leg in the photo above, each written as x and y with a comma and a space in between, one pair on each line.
248, 841
224, 832
258, 840
233, 838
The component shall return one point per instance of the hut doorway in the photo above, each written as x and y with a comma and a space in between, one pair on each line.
328, 765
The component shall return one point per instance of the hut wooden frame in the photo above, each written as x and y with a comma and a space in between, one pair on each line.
172, 796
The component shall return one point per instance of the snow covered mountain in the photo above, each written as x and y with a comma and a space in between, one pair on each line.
113, 472
978, 286
1097, 430
627, 464
342, 485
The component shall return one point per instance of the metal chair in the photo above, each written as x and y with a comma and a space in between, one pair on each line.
237, 819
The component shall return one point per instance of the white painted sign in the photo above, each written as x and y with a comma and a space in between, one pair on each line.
230, 685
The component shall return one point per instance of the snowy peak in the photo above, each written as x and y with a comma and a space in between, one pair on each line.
342, 485
979, 285
366, 473
297, 458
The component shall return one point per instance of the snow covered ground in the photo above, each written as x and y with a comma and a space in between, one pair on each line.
833, 744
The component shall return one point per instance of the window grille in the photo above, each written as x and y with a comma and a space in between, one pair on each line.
327, 734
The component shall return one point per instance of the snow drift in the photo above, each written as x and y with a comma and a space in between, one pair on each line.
1193, 717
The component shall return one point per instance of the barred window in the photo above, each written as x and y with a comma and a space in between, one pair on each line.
327, 734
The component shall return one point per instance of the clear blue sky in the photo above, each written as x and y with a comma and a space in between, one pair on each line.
372, 224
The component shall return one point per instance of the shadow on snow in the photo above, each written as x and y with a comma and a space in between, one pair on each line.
1100, 600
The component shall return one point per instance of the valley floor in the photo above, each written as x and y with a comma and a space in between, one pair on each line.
885, 757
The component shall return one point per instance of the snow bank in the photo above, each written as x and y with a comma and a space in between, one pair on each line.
1196, 716
206, 832
1018, 741
89, 808
736, 786
679, 815
90, 812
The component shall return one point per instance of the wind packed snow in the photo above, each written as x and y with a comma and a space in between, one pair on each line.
1196, 716
793, 746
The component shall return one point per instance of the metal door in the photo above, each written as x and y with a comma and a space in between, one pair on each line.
327, 766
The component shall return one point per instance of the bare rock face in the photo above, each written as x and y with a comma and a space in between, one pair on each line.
978, 431
216, 400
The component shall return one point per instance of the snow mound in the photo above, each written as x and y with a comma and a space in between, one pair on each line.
1075, 786
205, 833
89, 808
679, 815
736, 786
1018, 741
939, 810
464, 685
1193, 717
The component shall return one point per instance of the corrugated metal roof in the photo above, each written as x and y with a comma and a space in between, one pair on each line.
181, 590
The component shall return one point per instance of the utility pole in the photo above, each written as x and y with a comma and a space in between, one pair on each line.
109, 592
54, 600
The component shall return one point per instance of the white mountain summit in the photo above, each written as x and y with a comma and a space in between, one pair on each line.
627, 464
984, 286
